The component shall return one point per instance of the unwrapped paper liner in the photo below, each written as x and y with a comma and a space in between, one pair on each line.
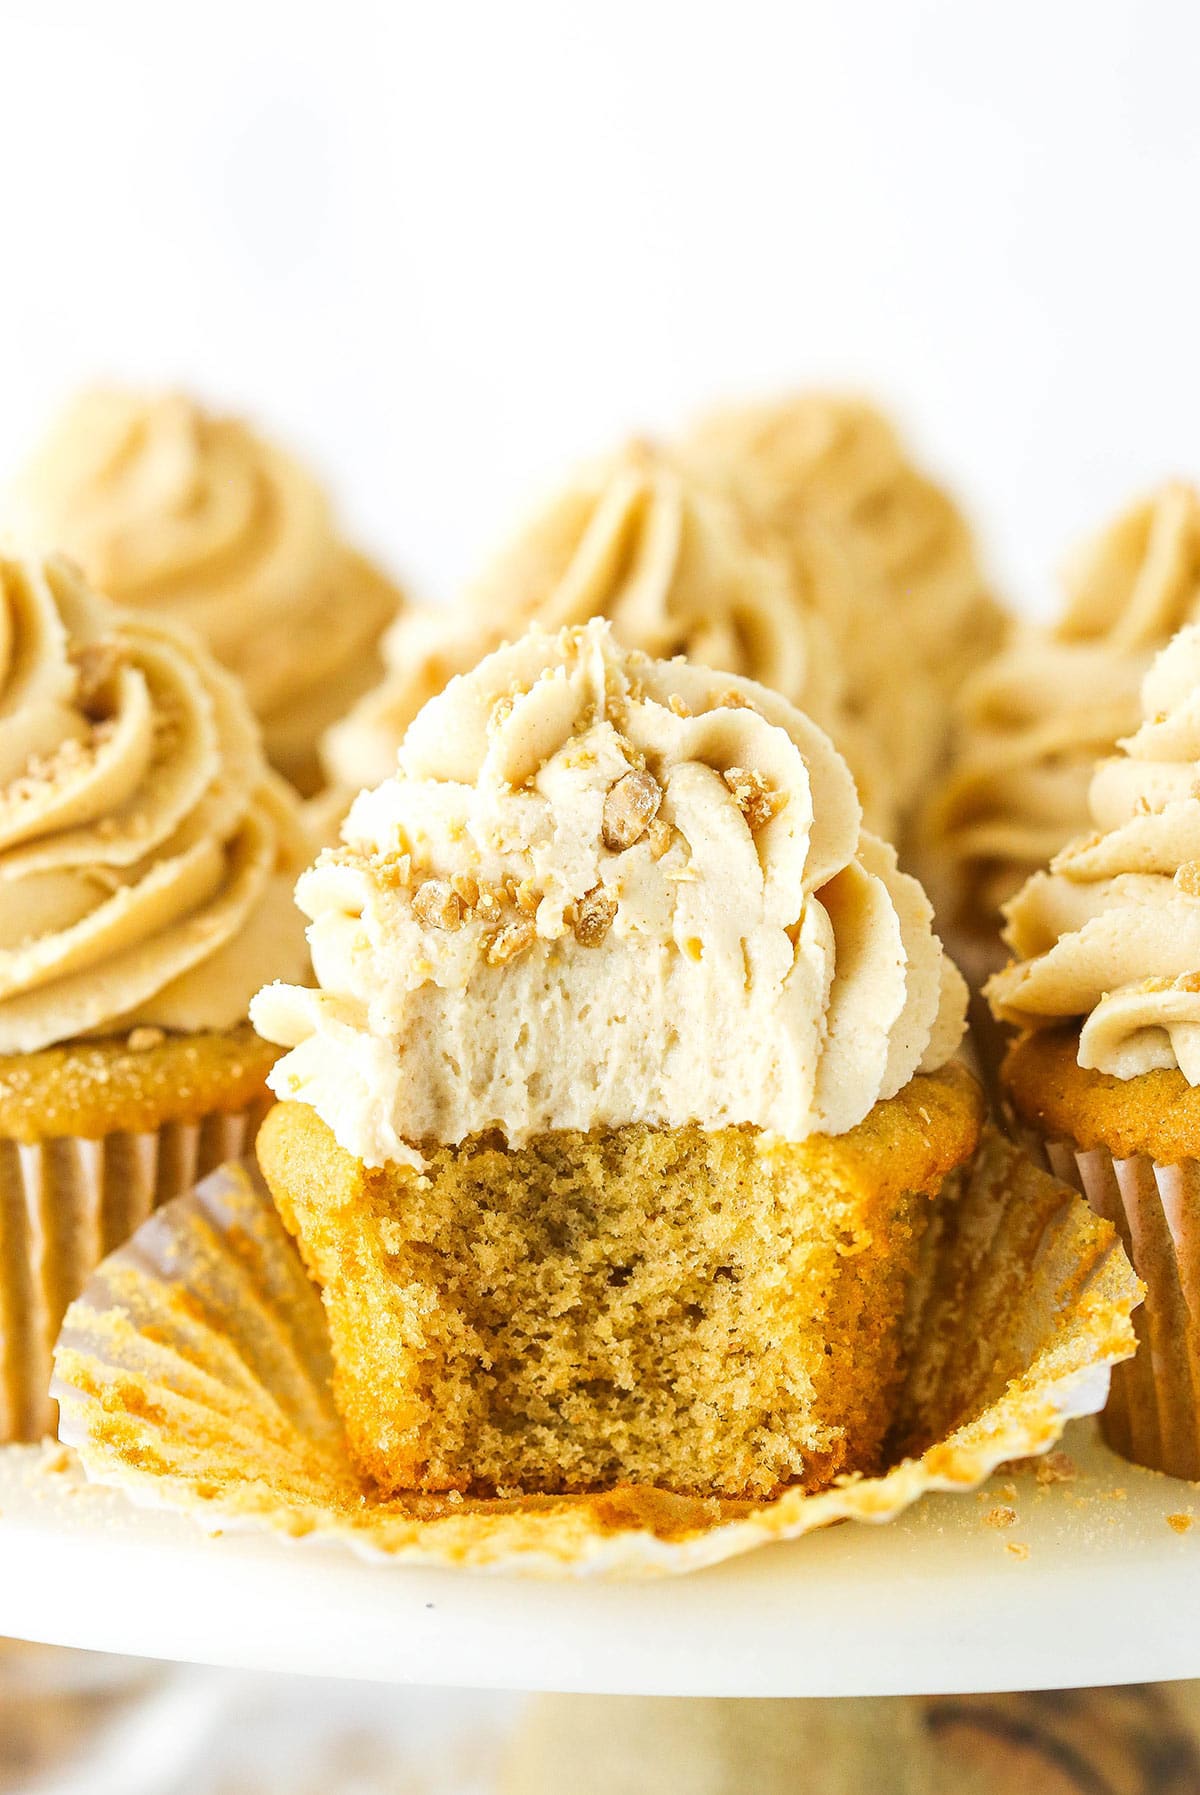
64, 1204
1153, 1411
194, 1374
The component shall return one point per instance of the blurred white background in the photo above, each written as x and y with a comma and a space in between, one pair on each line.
446, 249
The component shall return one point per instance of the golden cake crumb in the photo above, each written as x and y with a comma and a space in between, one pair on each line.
1000, 1516
1179, 1523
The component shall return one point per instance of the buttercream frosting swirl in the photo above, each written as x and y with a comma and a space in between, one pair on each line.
193, 516
1110, 935
674, 568
602, 889
823, 463
146, 850
1032, 723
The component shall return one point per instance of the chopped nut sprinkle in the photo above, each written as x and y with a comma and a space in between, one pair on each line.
734, 701
438, 905
676, 704
594, 916
466, 887
658, 833
393, 871
510, 941
755, 799
527, 897
630, 806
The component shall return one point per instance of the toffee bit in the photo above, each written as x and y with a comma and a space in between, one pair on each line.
755, 799
528, 897
393, 871
658, 833
734, 701
630, 806
594, 916
438, 905
675, 703
466, 887
510, 941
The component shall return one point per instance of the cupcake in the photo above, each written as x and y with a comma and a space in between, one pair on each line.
192, 517
673, 567
614, 1127
1032, 723
146, 859
1105, 990
916, 599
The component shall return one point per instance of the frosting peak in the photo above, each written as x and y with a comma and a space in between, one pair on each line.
145, 849
671, 564
600, 889
1111, 933
171, 509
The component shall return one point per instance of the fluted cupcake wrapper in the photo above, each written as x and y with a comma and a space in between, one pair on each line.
194, 1373
66, 1203
1153, 1411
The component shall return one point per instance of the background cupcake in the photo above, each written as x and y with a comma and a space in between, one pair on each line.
175, 510
912, 613
674, 567
146, 859
1105, 988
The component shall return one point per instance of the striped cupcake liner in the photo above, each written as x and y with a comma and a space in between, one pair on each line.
65, 1204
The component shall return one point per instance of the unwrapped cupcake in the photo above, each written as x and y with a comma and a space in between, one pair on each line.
147, 855
615, 1125
1105, 989
178, 512
673, 566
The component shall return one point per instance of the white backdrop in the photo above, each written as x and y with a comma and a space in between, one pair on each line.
446, 248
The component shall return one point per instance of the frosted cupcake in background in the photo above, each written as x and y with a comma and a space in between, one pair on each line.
675, 569
911, 611
1105, 991
147, 854
615, 1126
175, 511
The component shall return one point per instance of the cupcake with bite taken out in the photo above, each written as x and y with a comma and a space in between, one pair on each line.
613, 1129
146, 859
1105, 991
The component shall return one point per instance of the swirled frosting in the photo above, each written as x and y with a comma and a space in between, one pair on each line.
603, 889
146, 851
673, 567
172, 509
1111, 933
916, 599
1031, 724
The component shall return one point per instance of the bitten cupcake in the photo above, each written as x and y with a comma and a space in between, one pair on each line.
1106, 991
146, 859
917, 600
672, 565
614, 1127
174, 510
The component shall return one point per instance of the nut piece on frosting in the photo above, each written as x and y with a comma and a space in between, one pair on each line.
174, 510
146, 850
674, 567
603, 889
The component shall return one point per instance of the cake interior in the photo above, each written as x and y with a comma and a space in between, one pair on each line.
712, 1313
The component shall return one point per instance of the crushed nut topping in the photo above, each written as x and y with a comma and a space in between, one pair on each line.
1187, 879
510, 941
527, 897
675, 703
466, 887
733, 701
755, 799
594, 916
630, 806
438, 905
393, 871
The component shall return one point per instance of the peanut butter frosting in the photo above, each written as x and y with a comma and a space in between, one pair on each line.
916, 599
146, 850
674, 568
1110, 935
193, 516
604, 889
1032, 723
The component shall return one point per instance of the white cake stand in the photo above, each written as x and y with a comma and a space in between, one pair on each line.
1025, 1585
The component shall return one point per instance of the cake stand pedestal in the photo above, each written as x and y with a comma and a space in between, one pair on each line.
1031, 1583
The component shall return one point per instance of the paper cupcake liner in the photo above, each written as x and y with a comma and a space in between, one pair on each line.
1153, 1411
65, 1204
194, 1373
